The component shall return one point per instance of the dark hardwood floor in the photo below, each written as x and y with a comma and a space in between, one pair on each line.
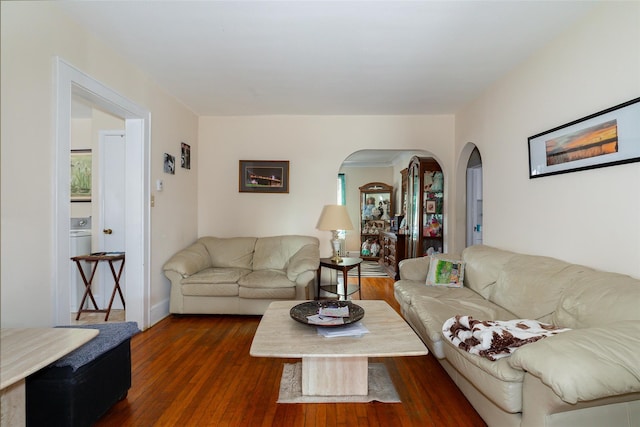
197, 371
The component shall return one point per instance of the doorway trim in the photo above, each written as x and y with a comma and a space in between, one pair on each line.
70, 82
460, 220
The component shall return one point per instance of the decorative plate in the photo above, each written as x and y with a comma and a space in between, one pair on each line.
309, 308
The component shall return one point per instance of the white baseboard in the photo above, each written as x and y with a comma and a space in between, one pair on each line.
159, 311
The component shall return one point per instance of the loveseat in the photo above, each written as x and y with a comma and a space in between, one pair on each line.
588, 375
241, 275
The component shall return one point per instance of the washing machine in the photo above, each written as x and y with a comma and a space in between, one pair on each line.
80, 239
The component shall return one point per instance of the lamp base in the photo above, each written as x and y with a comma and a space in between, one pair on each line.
336, 259
335, 246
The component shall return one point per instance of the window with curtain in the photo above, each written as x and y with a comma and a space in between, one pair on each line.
342, 196
342, 199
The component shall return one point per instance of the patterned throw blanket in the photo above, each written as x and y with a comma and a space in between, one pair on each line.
495, 339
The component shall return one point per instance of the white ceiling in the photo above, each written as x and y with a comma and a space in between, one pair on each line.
325, 57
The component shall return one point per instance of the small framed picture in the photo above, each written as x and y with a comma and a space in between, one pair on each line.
81, 175
430, 207
169, 164
264, 176
185, 155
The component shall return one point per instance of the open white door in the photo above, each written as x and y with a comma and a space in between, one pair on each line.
111, 223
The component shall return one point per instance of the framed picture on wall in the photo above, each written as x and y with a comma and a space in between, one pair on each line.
185, 155
169, 164
264, 176
606, 138
81, 173
430, 206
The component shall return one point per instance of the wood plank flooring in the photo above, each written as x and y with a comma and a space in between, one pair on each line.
197, 371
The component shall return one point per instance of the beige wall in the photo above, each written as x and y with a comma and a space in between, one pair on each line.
316, 146
590, 217
32, 33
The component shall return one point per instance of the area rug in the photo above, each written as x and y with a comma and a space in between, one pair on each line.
368, 269
381, 387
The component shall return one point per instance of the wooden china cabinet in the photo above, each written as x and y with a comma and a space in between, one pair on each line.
425, 200
376, 209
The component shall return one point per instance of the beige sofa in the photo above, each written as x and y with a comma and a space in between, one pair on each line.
242, 275
588, 376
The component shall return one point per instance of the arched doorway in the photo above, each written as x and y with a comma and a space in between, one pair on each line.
373, 165
474, 199
467, 222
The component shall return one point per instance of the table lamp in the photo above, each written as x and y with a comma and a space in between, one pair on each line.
334, 218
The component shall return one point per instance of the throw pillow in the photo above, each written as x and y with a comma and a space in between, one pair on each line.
445, 272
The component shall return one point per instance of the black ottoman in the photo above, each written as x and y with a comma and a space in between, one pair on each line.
79, 388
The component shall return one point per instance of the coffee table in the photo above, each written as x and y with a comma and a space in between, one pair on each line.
335, 366
25, 351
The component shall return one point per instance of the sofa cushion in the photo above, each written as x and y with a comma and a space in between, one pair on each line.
267, 293
435, 310
482, 267
216, 275
274, 253
498, 381
405, 290
210, 289
230, 252
266, 279
596, 298
586, 364
530, 286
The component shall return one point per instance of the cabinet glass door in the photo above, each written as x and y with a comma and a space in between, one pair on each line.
425, 197
432, 218
413, 211
376, 210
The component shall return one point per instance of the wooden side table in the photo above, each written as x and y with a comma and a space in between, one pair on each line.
96, 258
344, 266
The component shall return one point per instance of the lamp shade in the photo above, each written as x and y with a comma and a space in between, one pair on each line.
334, 217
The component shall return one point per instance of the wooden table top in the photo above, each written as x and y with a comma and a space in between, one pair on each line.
278, 335
100, 256
346, 262
25, 351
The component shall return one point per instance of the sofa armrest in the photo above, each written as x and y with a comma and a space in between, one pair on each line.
414, 269
586, 364
306, 259
189, 261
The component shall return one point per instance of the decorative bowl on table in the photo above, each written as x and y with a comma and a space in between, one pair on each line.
301, 311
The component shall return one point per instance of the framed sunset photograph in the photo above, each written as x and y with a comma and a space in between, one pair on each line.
607, 138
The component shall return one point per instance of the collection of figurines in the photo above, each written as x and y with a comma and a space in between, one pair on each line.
374, 227
371, 211
375, 219
370, 247
433, 227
